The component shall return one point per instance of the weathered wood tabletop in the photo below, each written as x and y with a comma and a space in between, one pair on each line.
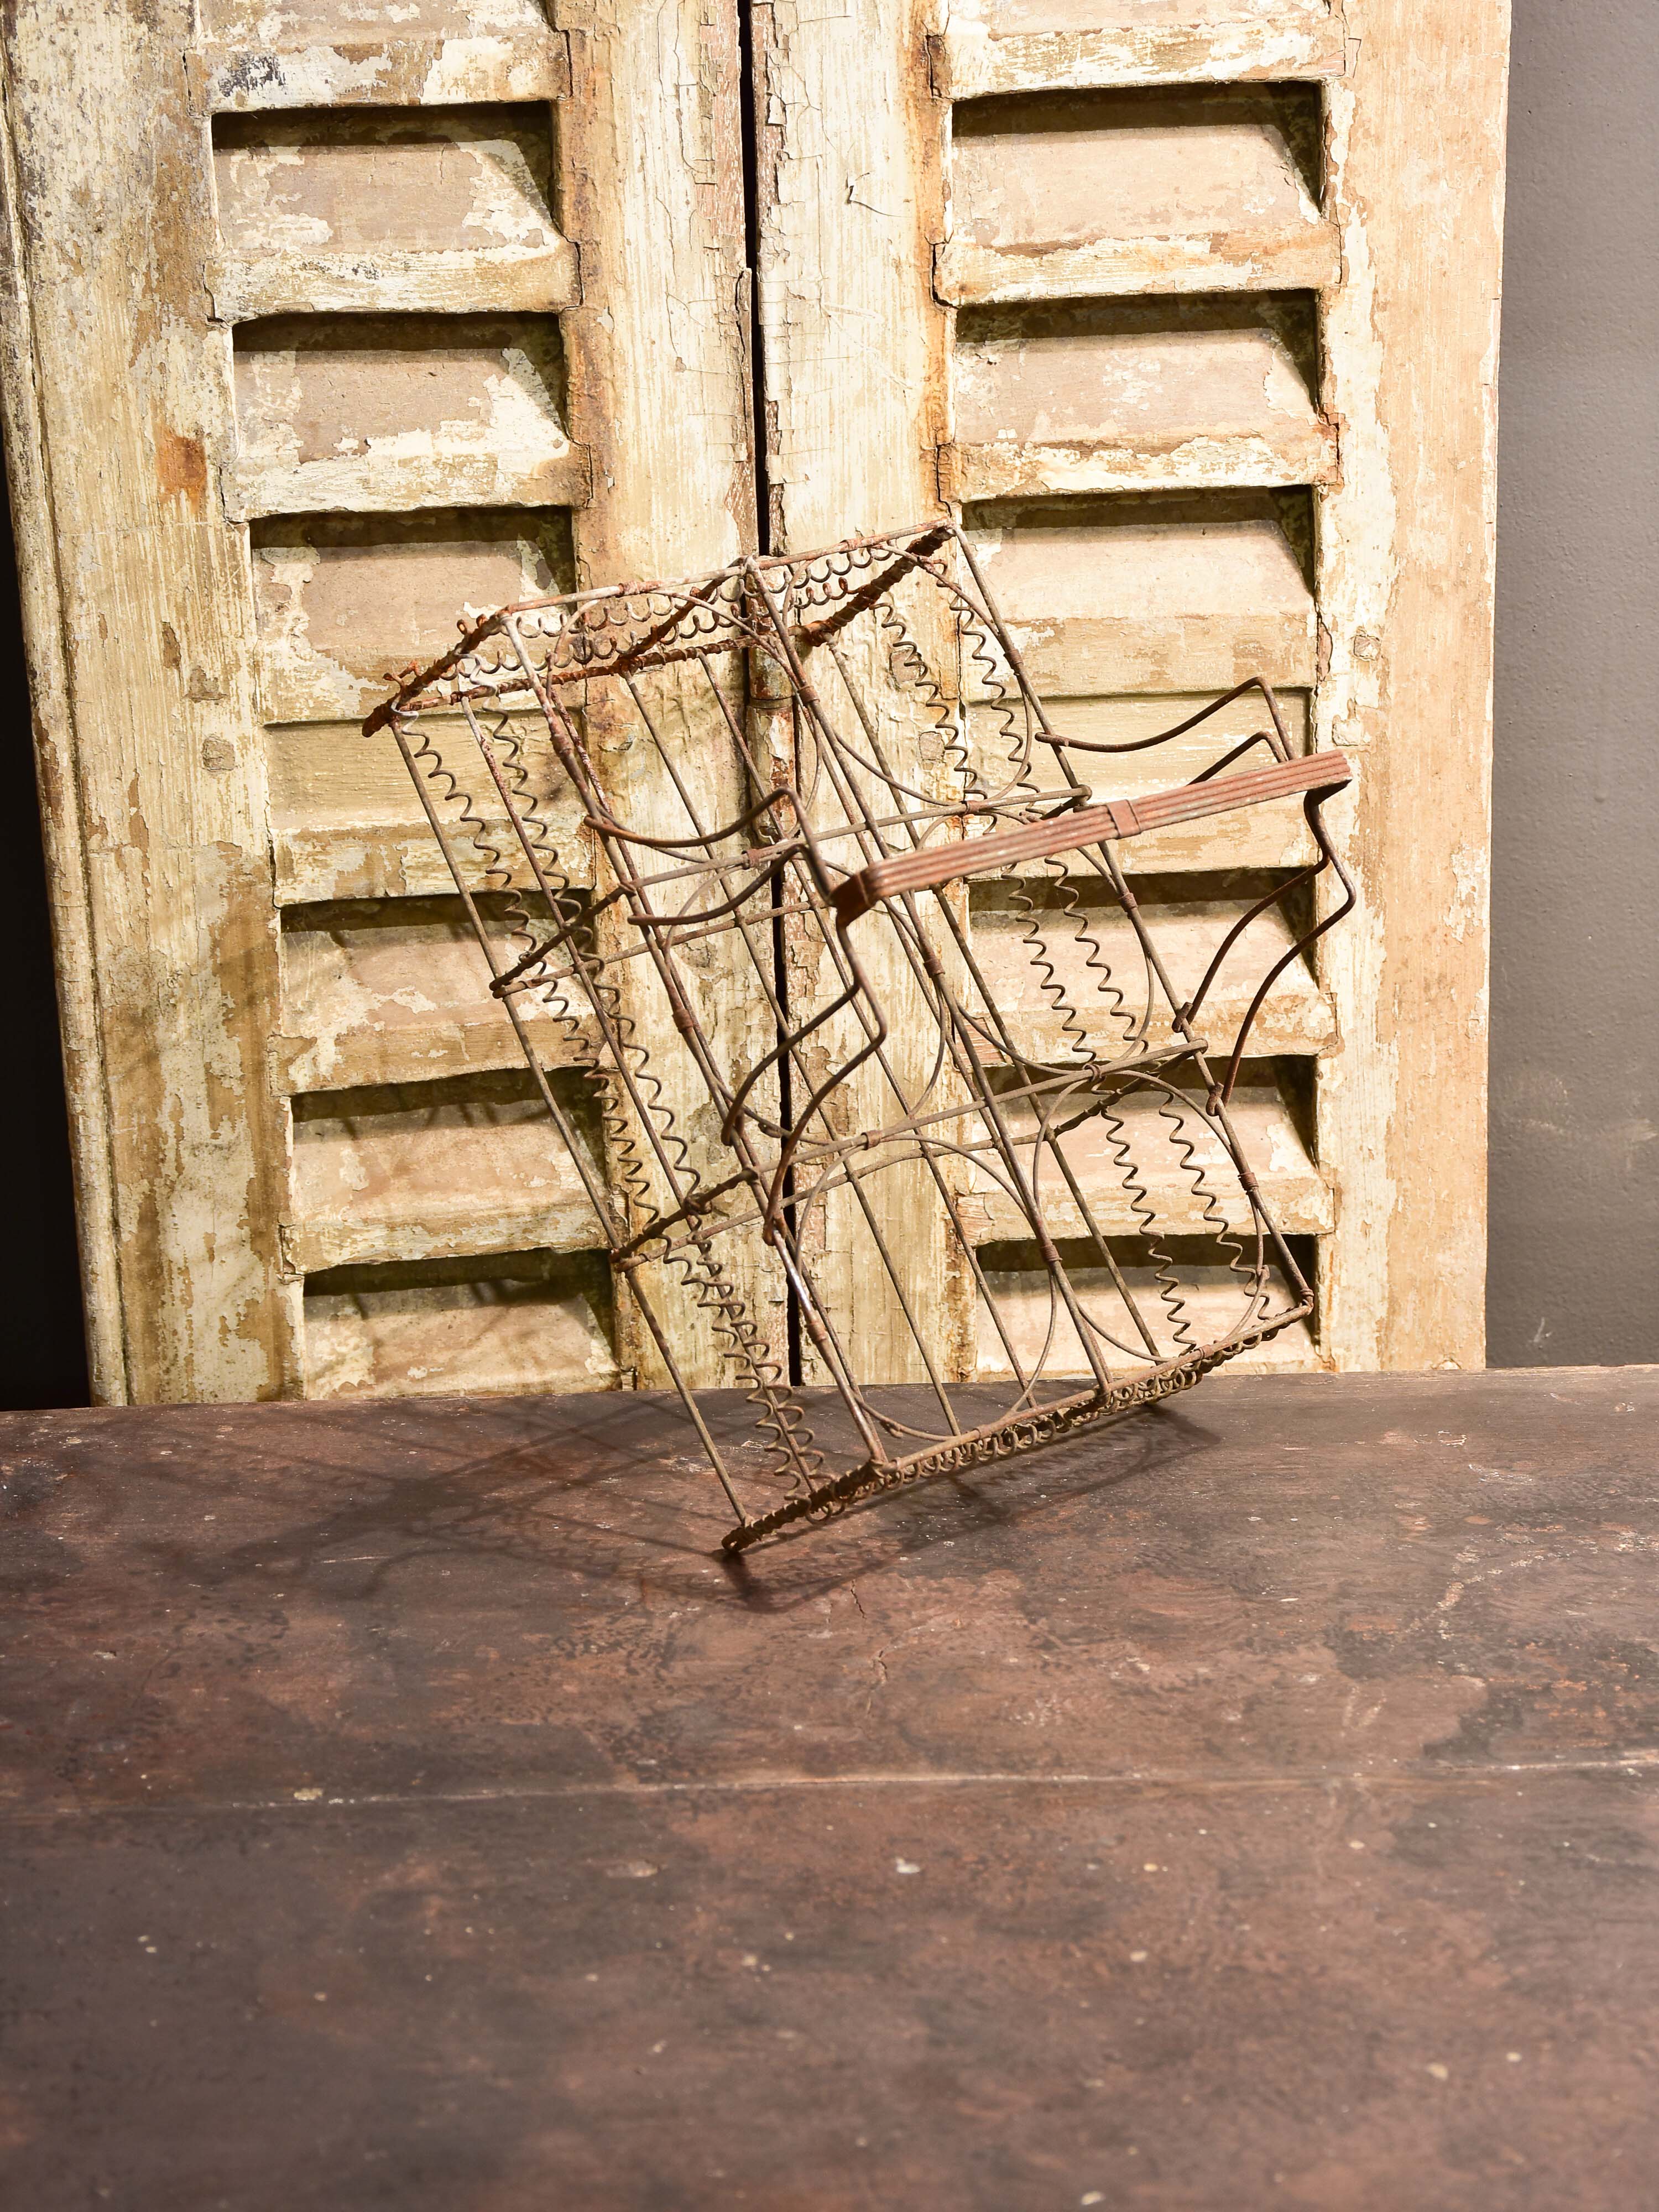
1252, 1805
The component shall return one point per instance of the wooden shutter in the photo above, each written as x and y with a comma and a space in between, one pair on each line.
325, 324
1189, 308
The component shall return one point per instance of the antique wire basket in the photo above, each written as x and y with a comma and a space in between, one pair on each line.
719, 841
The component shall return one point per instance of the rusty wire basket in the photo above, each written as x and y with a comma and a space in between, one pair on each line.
715, 839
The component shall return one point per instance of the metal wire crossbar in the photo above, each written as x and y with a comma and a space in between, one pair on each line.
720, 841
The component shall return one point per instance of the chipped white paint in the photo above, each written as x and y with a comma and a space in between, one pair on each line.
1210, 1296
341, 611
1415, 158
483, 1336
1291, 256
117, 393
375, 993
1129, 398
366, 184
1266, 1126
392, 72
448, 281
391, 416
346, 822
356, 210
991, 49
1296, 1018
276, 25
1085, 199
356, 167
397, 1175
651, 189
1218, 592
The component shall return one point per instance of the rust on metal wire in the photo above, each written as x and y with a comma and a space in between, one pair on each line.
877, 715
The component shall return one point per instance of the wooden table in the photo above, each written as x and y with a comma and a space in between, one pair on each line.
1252, 1805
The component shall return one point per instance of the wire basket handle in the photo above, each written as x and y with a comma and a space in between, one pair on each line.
1321, 772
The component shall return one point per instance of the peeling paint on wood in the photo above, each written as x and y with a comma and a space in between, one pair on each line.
356, 211
1134, 396
347, 825
651, 191
425, 1171
534, 1323
1132, 192
1014, 47
1416, 163
532, 62
158, 792
1218, 589
389, 991
361, 414
344, 603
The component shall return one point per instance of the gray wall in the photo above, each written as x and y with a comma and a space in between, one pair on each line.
1574, 1270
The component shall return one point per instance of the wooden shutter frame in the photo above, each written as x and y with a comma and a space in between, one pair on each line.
155, 796
1405, 531
121, 435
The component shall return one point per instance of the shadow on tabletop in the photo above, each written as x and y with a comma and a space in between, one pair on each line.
615, 1486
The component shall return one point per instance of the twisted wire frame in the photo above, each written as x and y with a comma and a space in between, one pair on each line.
882, 744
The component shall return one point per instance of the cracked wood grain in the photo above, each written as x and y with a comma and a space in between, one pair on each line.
651, 191
1416, 188
156, 787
